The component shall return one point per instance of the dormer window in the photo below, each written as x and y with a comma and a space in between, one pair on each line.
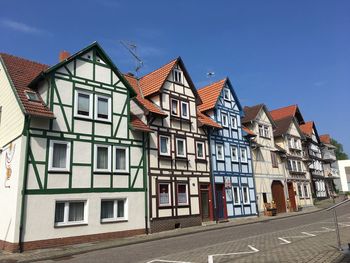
177, 76
226, 94
32, 96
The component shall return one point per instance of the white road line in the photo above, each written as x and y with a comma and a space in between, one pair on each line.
167, 261
284, 240
308, 234
344, 224
253, 250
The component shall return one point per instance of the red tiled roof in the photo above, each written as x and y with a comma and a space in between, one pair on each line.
137, 124
152, 82
148, 105
22, 72
325, 138
210, 94
284, 112
307, 128
207, 121
249, 131
250, 113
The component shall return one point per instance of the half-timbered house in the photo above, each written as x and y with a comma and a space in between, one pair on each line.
73, 154
178, 152
230, 152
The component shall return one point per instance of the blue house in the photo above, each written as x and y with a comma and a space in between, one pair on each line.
231, 160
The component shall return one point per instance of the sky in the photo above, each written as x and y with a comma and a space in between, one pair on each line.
276, 52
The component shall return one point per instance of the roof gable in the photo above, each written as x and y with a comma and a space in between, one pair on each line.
21, 72
251, 113
309, 128
292, 110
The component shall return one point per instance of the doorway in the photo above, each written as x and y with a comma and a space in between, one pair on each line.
278, 196
291, 194
205, 202
220, 202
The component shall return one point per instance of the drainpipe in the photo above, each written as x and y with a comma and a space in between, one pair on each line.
251, 161
24, 186
145, 181
212, 178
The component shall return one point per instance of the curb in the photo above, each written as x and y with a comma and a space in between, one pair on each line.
150, 239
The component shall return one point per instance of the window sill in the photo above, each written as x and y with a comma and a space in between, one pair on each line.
111, 221
59, 225
103, 121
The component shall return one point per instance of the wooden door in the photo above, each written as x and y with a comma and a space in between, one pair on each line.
278, 196
220, 201
291, 194
205, 209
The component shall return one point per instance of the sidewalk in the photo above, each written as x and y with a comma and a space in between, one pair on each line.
65, 251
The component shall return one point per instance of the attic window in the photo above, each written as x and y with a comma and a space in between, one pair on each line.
177, 76
32, 96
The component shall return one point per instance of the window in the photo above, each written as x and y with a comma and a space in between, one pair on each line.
121, 159
224, 120
220, 152
182, 195
299, 166
164, 142
200, 150
59, 156
264, 131
83, 102
102, 158
180, 147
184, 110
233, 122
228, 194
236, 198
274, 160
164, 194
300, 193
70, 212
264, 198
174, 107
296, 143
306, 193
113, 210
234, 154
32, 96
226, 94
177, 76
245, 195
244, 155
102, 108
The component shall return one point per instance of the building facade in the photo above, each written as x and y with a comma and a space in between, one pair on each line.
70, 177
231, 156
289, 137
344, 173
268, 167
178, 152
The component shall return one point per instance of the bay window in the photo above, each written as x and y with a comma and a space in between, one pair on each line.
59, 156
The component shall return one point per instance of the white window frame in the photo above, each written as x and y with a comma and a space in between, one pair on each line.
66, 221
217, 152
266, 131
115, 217
227, 92
306, 193
67, 168
238, 200
177, 193
177, 148
248, 200
127, 162
109, 157
223, 118
188, 110
245, 160
169, 193
179, 74
109, 99
203, 145
76, 114
177, 107
236, 151
233, 122
168, 153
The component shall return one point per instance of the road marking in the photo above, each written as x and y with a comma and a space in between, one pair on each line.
344, 224
308, 234
167, 261
253, 250
284, 240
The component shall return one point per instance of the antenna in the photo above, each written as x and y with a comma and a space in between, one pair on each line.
210, 75
131, 47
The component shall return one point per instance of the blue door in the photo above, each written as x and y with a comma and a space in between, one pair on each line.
220, 202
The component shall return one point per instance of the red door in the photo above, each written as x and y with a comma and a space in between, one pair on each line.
291, 194
278, 196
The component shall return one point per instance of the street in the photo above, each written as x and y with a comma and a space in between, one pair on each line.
304, 238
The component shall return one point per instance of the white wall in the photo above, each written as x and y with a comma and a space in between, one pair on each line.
343, 178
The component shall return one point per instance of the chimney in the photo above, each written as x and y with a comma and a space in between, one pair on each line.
63, 55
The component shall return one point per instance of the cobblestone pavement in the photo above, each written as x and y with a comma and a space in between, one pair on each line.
308, 238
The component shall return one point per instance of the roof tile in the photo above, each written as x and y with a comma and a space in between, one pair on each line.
210, 94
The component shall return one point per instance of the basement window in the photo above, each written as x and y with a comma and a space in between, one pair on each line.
32, 96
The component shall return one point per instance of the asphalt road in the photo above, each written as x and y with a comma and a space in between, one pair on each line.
304, 238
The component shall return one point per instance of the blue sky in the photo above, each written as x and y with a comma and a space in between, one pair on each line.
274, 51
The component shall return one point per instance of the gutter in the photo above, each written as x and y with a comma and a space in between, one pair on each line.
24, 185
145, 183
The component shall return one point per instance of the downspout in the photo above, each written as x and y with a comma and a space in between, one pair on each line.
212, 177
145, 183
251, 160
24, 186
